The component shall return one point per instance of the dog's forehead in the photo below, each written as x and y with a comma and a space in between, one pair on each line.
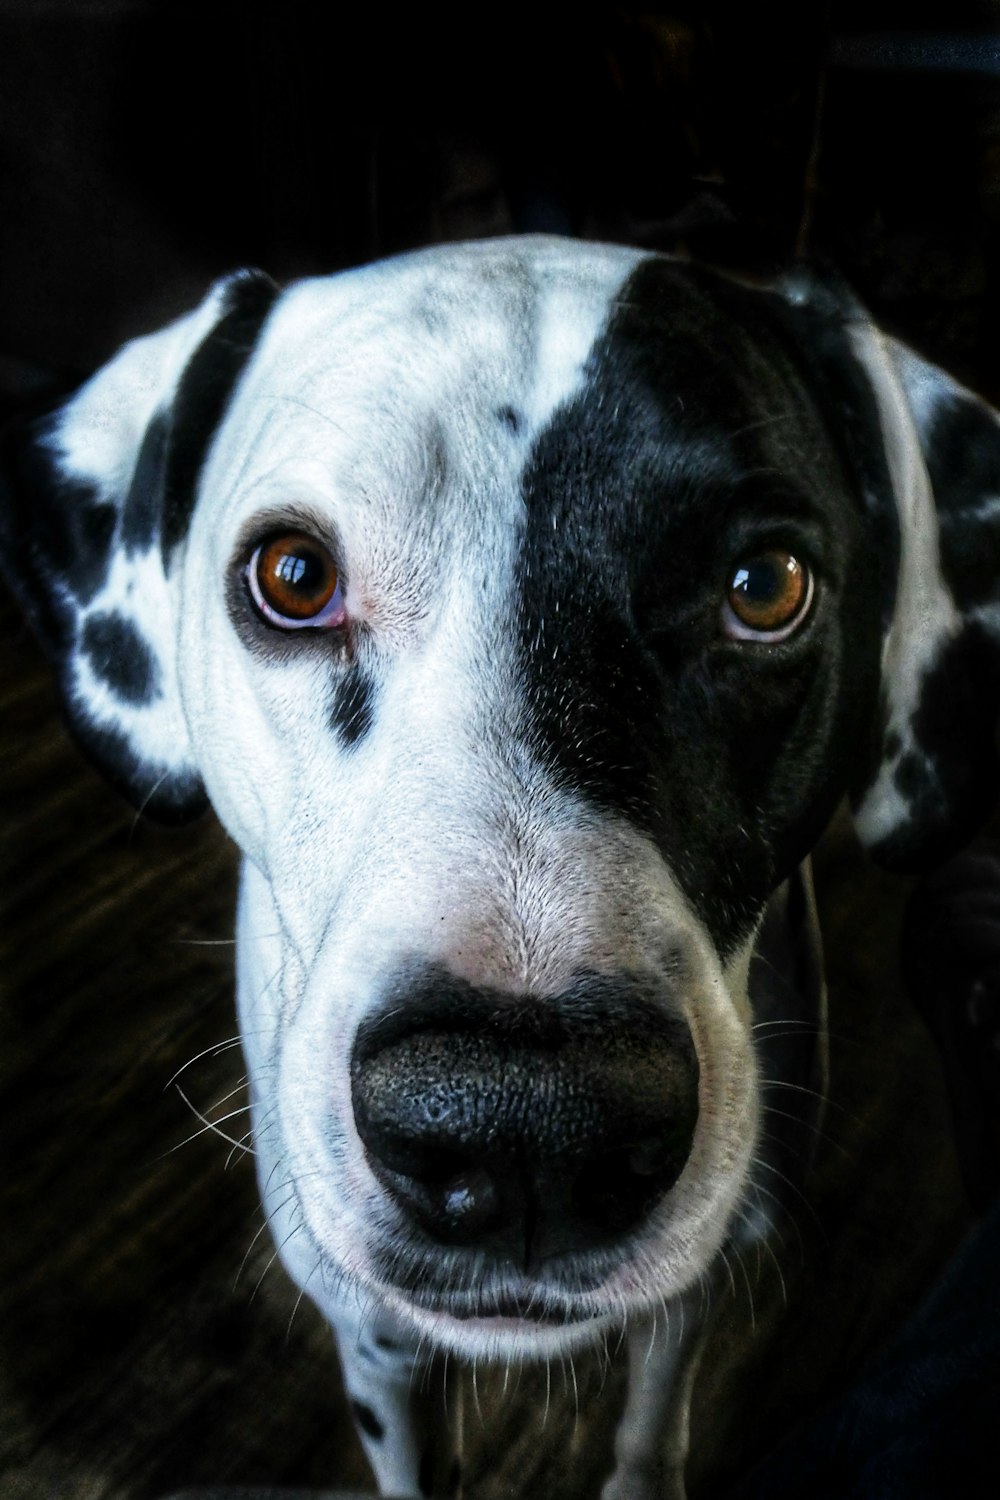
469, 332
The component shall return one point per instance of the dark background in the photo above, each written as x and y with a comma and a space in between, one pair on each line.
146, 148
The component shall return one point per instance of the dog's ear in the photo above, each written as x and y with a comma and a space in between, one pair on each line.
94, 503
935, 774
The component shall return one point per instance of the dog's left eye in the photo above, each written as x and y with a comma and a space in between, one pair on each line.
294, 583
768, 597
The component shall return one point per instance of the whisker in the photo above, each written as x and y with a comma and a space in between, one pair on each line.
242, 1147
182, 942
215, 1050
210, 1124
298, 1300
264, 1226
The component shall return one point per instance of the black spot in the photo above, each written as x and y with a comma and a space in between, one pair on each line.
203, 394
143, 505
893, 744
389, 1345
951, 784
368, 1421
914, 780
120, 657
510, 418
56, 532
970, 558
962, 449
353, 706
425, 1477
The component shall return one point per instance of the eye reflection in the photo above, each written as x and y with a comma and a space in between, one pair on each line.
294, 582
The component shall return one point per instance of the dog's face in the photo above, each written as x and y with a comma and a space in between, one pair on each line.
524, 611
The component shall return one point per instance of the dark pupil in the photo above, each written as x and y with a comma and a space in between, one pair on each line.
302, 571
760, 582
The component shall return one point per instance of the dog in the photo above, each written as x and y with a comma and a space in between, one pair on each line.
524, 609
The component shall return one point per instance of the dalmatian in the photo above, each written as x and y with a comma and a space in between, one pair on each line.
524, 609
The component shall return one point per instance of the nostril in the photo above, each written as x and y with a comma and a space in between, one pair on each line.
458, 1205
615, 1189
648, 1156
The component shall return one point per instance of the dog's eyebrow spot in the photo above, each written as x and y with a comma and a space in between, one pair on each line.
911, 777
120, 657
511, 418
368, 1421
353, 706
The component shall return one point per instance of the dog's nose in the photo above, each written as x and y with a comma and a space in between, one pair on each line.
527, 1128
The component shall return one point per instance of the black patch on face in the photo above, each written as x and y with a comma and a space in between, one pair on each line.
203, 394
368, 1421
120, 657
510, 418
699, 434
353, 707
962, 451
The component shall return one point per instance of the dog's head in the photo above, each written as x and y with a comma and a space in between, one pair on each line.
524, 609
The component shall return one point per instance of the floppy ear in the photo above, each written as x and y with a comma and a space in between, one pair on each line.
94, 503
936, 774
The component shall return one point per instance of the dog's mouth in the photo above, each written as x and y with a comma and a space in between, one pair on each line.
529, 1323
525, 1311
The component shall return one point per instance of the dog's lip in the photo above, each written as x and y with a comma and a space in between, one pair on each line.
509, 1311
505, 1311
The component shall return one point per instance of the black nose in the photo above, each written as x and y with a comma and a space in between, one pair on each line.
531, 1128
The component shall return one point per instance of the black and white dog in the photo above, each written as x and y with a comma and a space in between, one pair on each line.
524, 609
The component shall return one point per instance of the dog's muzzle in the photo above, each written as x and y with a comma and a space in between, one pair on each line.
525, 1128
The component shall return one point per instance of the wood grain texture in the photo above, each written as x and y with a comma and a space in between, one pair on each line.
148, 1341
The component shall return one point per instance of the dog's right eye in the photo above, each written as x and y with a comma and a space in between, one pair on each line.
294, 583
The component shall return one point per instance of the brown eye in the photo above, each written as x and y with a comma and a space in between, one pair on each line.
293, 582
768, 597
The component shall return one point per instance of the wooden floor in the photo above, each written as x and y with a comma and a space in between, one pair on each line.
149, 1342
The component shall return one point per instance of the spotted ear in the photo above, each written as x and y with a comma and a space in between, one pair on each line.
936, 774
95, 499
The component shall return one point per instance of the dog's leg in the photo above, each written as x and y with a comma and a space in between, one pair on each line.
652, 1440
406, 1409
